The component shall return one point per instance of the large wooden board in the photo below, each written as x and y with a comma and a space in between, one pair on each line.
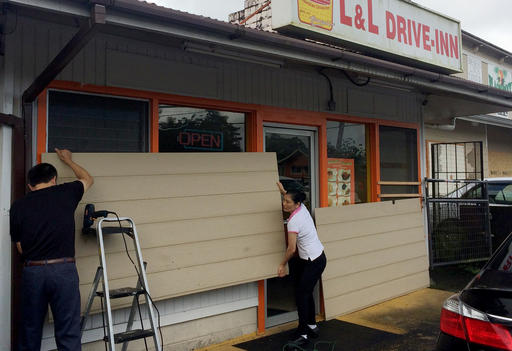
205, 220
375, 251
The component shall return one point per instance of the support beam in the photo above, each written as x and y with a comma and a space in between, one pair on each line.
67, 54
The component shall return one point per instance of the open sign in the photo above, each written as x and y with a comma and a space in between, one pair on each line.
201, 140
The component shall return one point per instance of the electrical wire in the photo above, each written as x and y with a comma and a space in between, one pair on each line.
140, 280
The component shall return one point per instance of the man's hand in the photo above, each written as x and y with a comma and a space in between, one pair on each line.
65, 155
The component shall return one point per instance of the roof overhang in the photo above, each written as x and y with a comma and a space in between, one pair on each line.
446, 97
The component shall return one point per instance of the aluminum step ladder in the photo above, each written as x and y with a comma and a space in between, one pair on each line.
126, 227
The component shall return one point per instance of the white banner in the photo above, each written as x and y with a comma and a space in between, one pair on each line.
395, 27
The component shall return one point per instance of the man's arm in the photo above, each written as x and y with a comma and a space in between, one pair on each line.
81, 174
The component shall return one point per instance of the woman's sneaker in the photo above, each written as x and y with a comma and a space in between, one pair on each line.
313, 332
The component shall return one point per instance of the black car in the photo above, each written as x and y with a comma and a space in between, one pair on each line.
479, 318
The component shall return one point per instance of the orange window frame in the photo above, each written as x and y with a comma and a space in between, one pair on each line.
256, 116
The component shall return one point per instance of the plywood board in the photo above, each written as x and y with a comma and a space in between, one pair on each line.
205, 220
374, 252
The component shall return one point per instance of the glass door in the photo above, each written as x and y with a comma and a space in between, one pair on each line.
295, 148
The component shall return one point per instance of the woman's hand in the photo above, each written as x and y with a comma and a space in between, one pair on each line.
281, 271
281, 188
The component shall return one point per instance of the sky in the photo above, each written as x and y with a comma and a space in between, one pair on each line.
487, 19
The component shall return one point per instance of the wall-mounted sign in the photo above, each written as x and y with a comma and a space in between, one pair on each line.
499, 77
391, 27
474, 68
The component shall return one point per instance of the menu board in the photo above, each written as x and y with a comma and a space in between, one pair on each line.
340, 181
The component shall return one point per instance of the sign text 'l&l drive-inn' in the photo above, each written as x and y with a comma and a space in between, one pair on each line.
395, 27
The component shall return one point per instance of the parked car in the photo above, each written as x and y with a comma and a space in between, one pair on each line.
479, 318
500, 206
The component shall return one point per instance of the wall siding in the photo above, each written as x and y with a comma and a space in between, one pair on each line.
374, 252
165, 192
108, 60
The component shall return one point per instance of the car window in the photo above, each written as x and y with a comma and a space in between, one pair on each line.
502, 261
473, 193
504, 196
500, 193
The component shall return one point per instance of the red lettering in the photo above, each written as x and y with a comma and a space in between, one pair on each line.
426, 37
216, 139
206, 141
372, 28
344, 19
417, 33
409, 31
443, 43
181, 136
401, 29
195, 138
390, 25
437, 41
454, 46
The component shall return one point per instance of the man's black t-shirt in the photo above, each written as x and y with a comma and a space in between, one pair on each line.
44, 221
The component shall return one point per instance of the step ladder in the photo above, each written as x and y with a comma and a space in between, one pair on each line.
125, 226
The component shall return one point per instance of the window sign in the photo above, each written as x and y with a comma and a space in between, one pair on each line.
188, 129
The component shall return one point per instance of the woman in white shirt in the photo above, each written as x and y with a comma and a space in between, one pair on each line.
302, 235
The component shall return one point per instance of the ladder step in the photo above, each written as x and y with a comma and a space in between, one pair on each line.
117, 230
131, 335
121, 292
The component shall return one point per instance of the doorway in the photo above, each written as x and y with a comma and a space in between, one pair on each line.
296, 152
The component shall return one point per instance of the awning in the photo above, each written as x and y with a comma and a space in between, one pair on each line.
446, 97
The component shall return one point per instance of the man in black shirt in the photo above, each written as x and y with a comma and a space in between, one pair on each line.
43, 228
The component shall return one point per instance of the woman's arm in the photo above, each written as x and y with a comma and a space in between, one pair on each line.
281, 188
290, 251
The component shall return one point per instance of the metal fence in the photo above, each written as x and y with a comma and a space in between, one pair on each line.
458, 221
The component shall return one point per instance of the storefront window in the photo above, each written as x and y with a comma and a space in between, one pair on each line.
188, 129
398, 159
93, 123
347, 152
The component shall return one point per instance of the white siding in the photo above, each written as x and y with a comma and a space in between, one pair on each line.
5, 242
173, 311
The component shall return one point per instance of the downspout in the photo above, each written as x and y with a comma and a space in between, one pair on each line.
52, 70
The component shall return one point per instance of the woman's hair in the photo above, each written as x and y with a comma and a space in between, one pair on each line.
296, 195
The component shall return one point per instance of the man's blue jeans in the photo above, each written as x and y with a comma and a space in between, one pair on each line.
55, 285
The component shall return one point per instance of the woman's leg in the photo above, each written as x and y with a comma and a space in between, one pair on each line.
305, 300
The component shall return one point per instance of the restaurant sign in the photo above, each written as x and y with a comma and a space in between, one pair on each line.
395, 28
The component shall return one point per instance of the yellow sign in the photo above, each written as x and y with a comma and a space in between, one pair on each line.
317, 13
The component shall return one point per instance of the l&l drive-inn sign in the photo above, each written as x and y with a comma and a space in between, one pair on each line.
397, 28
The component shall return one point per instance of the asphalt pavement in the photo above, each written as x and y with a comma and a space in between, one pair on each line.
413, 319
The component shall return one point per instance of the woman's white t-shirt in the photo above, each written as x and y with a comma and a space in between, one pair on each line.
301, 223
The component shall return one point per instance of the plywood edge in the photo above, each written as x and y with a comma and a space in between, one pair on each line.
328, 215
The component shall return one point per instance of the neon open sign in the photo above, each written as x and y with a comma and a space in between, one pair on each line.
207, 140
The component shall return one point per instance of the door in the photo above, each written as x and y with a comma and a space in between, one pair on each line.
295, 148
